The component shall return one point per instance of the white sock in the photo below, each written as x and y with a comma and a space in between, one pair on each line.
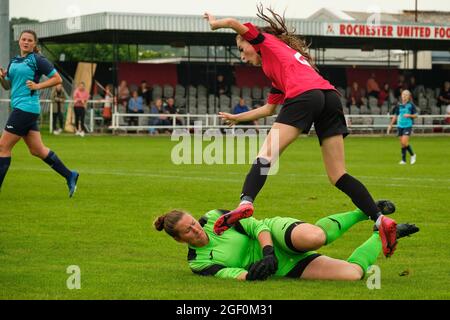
378, 222
244, 202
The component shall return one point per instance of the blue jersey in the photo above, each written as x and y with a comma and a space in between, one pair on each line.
403, 109
22, 69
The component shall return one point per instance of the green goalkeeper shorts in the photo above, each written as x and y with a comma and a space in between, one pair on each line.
291, 262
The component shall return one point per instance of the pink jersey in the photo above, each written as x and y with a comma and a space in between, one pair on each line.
289, 71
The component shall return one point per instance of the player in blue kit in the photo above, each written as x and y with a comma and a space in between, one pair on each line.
22, 78
404, 114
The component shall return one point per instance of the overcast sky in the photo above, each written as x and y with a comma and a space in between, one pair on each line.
56, 9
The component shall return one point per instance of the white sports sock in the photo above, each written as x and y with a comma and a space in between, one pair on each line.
378, 222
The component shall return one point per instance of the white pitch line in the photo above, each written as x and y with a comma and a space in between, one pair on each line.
237, 180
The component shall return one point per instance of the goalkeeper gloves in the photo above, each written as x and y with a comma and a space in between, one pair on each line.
265, 267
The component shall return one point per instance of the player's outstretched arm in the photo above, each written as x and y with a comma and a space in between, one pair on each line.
229, 23
255, 114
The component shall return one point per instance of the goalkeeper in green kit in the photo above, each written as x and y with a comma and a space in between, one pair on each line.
257, 249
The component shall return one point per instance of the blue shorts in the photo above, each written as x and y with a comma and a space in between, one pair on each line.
404, 131
21, 123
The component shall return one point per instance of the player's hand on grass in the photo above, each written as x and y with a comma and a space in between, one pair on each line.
257, 271
230, 119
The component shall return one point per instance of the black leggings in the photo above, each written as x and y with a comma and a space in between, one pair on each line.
58, 119
80, 112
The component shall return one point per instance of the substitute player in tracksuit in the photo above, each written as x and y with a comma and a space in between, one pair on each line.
404, 115
22, 78
307, 99
280, 246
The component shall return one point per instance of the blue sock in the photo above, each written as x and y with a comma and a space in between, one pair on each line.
4, 166
53, 161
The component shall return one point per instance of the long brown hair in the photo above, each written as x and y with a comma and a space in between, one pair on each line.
277, 27
33, 33
168, 222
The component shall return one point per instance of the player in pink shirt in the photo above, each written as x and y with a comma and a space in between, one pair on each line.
307, 99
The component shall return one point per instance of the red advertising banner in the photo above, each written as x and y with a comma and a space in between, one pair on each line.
387, 31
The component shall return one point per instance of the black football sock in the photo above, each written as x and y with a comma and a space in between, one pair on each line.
359, 195
404, 154
4, 166
53, 161
410, 150
256, 179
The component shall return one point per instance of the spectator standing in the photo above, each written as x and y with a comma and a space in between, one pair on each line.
81, 97
107, 107
123, 94
58, 99
145, 92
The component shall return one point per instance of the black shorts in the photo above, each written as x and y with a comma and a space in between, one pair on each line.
323, 108
300, 267
21, 123
404, 131
288, 236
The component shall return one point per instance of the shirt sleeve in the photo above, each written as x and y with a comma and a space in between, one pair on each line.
276, 96
395, 111
228, 273
44, 67
7, 72
217, 270
253, 36
253, 227
413, 109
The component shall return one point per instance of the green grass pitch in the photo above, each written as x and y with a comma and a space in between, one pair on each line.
106, 229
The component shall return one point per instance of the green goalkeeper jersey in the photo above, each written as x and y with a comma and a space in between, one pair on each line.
232, 253
228, 255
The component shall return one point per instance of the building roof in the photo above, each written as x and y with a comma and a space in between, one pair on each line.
179, 30
407, 16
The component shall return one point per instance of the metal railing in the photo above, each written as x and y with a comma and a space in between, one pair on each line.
121, 121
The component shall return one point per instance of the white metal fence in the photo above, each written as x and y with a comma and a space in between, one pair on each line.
120, 122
